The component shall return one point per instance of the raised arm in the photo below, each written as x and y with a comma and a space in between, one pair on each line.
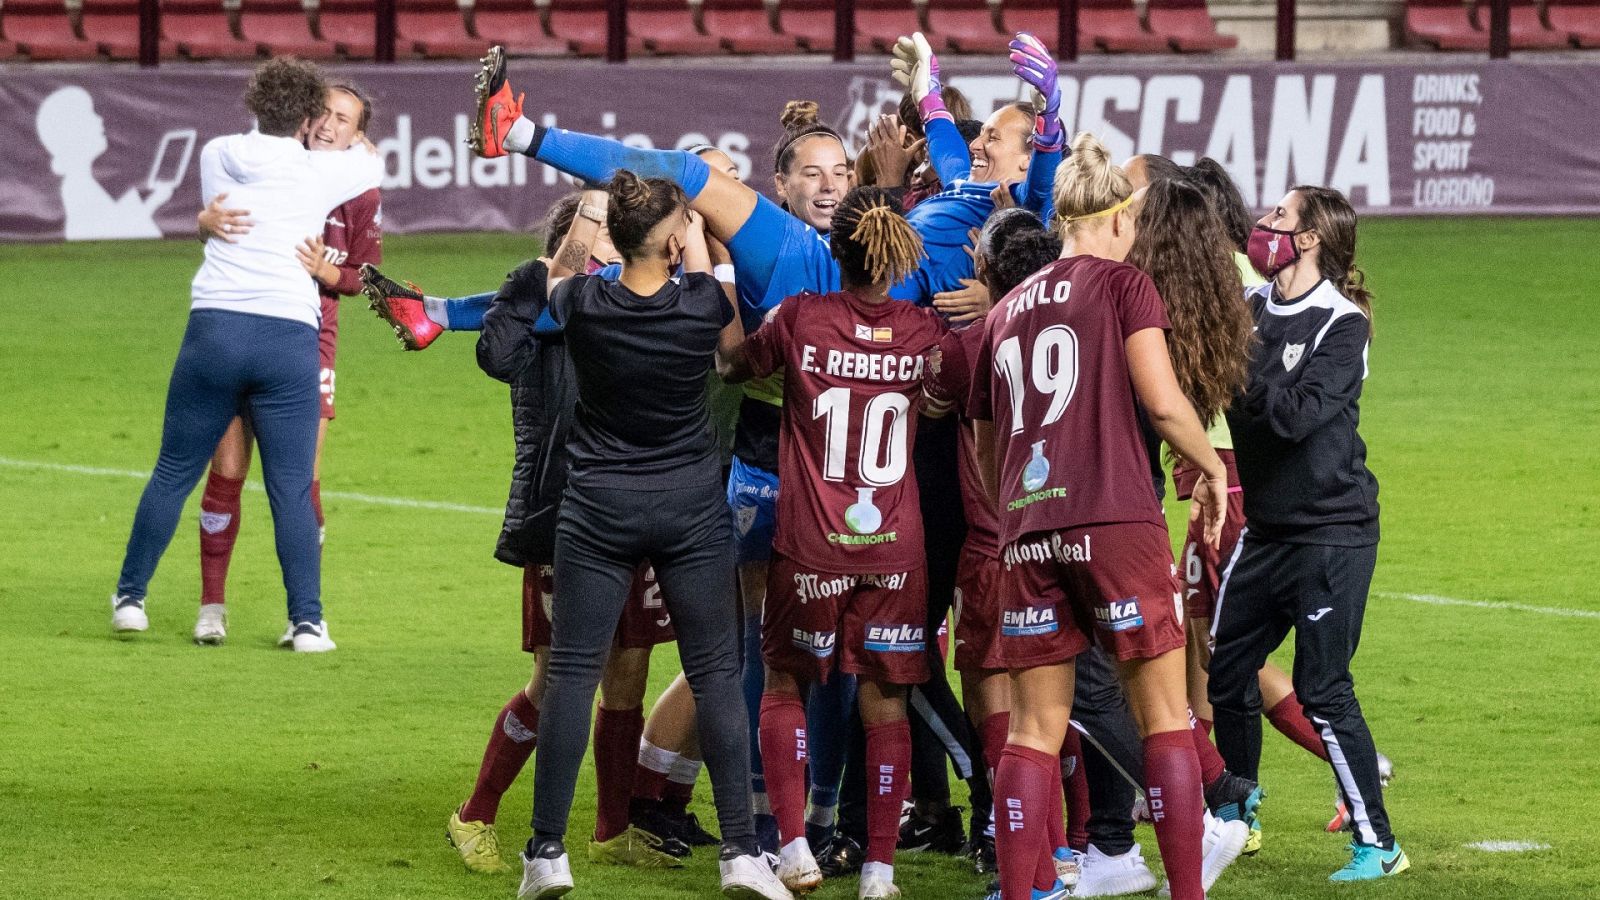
348, 173
1032, 63
917, 68
571, 257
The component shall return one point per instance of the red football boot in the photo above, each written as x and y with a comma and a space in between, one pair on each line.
400, 306
497, 108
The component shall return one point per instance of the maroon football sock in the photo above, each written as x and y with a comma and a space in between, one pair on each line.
516, 732
1211, 764
1022, 807
679, 789
1289, 717
219, 529
648, 784
888, 785
1056, 824
616, 758
783, 761
1172, 785
1077, 788
316, 501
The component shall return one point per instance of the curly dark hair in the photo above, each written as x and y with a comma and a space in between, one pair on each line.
1181, 244
285, 93
1013, 245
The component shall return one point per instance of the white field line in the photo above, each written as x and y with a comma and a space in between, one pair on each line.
1507, 846
411, 503
402, 502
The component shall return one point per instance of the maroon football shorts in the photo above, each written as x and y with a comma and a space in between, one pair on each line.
977, 612
1202, 566
874, 626
644, 622
1114, 585
327, 345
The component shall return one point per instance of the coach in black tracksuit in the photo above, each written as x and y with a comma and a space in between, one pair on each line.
1306, 557
645, 483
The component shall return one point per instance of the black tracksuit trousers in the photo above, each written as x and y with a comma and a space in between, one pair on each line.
602, 536
1320, 591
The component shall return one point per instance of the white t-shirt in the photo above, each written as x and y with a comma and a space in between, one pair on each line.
289, 191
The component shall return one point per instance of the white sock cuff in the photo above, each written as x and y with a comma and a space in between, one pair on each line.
655, 758
685, 770
435, 309
521, 135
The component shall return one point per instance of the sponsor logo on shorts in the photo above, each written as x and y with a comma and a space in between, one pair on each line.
213, 522
817, 643
1045, 549
895, 638
810, 586
1029, 622
1119, 615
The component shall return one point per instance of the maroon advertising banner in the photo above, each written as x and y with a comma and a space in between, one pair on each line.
109, 152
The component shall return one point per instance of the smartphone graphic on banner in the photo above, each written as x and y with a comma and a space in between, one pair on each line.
170, 165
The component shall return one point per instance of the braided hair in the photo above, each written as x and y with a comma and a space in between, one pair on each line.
872, 240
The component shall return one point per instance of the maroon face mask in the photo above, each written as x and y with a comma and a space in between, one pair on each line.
1271, 251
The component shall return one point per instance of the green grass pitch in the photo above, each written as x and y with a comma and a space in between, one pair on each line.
152, 768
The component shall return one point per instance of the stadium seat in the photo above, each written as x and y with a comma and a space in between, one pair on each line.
41, 30
113, 26
668, 28
745, 26
582, 25
436, 29
281, 28
1579, 20
1444, 24
514, 25
1527, 31
879, 23
1187, 26
203, 29
349, 24
1109, 25
967, 26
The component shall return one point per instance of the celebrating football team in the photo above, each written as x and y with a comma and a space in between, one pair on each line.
966, 362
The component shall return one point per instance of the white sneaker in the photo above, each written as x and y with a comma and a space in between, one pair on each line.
545, 876
287, 638
1222, 844
877, 882
746, 877
127, 614
312, 637
1100, 875
797, 868
212, 625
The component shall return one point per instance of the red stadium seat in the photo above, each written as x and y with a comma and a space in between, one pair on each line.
433, 28
1527, 31
668, 28
582, 24
349, 24
203, 29
967, 26
1444, 24
113, 26
1109, 25
1187, 26
515, 25
745, 26
281, 28
41, 30
1579, 20
811, 23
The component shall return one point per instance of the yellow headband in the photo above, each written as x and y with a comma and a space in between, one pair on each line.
1104, 212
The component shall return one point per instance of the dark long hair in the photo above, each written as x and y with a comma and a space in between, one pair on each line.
637, 206
1180, 243
1327, 212
1211, 177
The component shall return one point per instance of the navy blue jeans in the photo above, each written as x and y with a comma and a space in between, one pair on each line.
238, 364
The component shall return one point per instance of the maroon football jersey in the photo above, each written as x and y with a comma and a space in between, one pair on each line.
353, 235
1053, 375
852, 389
948, 384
